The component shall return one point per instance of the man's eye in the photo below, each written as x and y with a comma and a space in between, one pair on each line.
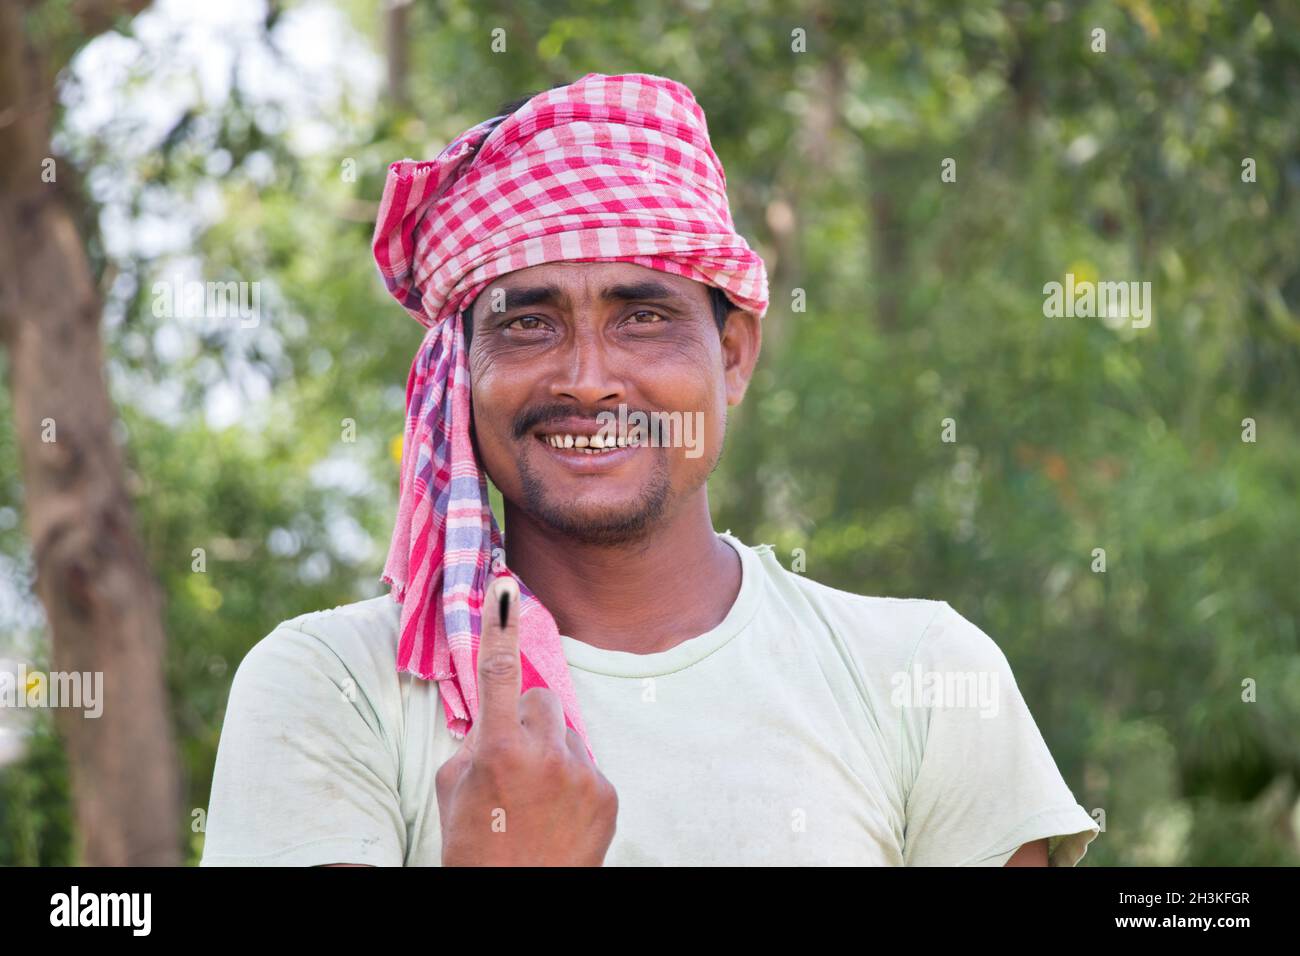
527, 323
646, 317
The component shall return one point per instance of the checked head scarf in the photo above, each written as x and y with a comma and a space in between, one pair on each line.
608, 168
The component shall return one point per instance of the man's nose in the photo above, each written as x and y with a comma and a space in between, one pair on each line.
588, 374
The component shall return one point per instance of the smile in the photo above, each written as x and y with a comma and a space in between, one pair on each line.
585, 446
588, 444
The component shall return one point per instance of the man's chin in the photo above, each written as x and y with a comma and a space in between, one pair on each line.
599, 525
588, 515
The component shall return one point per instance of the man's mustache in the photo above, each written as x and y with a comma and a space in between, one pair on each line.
529, 419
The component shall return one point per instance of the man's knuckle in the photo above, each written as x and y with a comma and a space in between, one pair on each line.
447, 776
533, 700
498, 666
499, 756
555, 762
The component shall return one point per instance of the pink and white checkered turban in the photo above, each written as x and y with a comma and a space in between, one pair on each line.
610, 168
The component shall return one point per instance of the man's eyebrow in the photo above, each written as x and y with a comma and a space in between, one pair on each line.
524, 296
640, 291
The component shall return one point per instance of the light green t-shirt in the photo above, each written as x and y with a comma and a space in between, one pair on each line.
810, 727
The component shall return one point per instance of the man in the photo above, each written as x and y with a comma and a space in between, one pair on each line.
615, 682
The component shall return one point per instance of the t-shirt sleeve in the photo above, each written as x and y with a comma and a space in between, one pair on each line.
985, 781
304, 773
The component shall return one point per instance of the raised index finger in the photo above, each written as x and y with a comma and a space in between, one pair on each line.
499, 671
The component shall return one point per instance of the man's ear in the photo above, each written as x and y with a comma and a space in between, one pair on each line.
742, 337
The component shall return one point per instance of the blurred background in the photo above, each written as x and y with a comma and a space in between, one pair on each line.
251, 470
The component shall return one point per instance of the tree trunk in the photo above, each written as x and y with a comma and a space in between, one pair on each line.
397, 44
103, 606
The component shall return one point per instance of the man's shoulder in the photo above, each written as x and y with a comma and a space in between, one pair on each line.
358, 639
376, 615
898, 626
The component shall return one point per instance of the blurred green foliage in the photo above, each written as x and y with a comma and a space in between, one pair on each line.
923, 301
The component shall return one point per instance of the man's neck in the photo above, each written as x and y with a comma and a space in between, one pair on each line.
643, 597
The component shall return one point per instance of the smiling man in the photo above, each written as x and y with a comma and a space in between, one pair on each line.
614, 682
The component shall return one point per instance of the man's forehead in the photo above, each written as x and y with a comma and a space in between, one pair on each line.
577, 280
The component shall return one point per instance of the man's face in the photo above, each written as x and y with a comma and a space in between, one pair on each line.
556, 345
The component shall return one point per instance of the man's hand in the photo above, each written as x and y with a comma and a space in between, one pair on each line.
521, 790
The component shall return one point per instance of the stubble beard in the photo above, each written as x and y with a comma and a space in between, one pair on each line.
588, 525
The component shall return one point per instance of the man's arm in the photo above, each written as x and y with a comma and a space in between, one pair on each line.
305, 773
985, 779
1033, 853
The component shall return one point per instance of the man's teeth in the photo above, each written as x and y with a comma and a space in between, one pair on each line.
588, 444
